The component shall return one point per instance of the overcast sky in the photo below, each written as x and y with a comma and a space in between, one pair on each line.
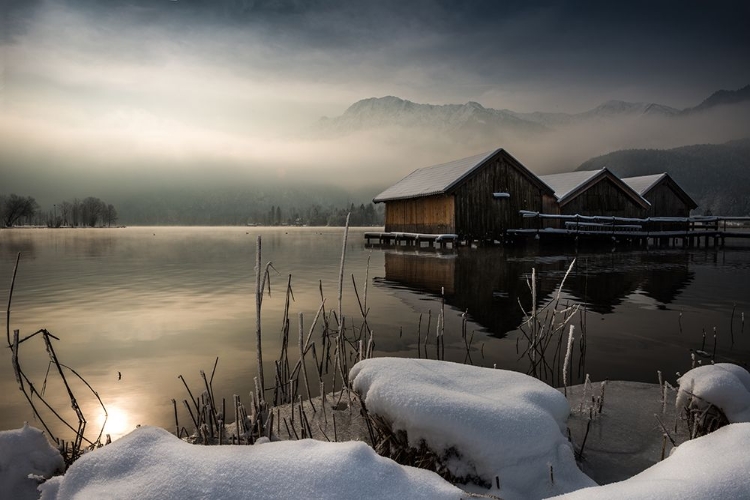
92, 85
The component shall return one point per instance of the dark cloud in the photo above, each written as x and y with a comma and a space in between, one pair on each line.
176, 86
603, 44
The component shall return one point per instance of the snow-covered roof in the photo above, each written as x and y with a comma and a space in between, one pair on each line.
564, 184
643, 183
569, 184
439, 179
432, 180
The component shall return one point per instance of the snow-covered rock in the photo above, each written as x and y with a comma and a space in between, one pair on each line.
712, 466
502, 423
724, 385
151, 463
26, 459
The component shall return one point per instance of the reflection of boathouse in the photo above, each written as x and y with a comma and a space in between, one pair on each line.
481, 282
476, 197
490, 284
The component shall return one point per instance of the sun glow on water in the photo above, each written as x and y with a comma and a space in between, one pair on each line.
118, 422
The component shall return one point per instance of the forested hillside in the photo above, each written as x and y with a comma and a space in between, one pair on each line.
717, 176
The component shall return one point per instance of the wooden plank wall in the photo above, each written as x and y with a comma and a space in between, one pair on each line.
430, 214
479, 215
549, 206
603, 198
665, 202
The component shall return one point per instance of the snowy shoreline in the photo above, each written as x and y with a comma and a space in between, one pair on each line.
483, 422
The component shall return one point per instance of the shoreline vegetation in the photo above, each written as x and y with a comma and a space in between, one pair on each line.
336, 390
24, 211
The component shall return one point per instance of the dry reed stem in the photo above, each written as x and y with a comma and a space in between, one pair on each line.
258, 301
566, 364
10, 298
302, 359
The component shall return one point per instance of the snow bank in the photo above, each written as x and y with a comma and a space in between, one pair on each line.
151, 463
502, 423
712, 466
26, 452
724, 385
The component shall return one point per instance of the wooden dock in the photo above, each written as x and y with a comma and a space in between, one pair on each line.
415, 240
653, 231
685, 232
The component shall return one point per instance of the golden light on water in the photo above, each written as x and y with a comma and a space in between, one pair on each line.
118, 422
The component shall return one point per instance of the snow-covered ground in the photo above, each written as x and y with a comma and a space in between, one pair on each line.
26, 459
712, 466
503, 424
497, 423
724, 385
151, 463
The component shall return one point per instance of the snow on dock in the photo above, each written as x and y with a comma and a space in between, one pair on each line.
411, 239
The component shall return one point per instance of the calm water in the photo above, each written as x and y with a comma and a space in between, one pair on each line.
154, 303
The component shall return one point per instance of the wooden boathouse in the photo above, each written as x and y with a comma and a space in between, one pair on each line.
474, 198
666, 197
492, 197
595, 192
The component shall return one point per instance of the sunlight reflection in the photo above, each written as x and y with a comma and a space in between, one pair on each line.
118, 422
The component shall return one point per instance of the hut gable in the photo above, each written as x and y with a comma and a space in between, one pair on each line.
597, 192
666, 197
476, 197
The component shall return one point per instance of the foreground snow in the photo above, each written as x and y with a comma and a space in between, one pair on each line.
151, 463
498, 423
503, 424
712, 466
724, 385
26, 452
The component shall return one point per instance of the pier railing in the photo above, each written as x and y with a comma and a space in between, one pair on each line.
701, 226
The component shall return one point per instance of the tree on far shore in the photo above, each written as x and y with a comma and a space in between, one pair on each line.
15, 207
110, 215
92, 209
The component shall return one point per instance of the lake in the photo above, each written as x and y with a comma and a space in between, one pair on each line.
136, 307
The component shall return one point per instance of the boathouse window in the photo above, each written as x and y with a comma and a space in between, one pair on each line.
499, 196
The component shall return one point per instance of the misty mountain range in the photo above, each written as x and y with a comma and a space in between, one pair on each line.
637, 139
378, 141
472, 117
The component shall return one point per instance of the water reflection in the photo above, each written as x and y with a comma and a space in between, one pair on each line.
154, 303
491, 283
604, 282
12, 242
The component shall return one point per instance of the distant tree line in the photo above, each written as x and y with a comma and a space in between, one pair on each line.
91, 212
287, 204
24, 210
318, 215
191, 208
